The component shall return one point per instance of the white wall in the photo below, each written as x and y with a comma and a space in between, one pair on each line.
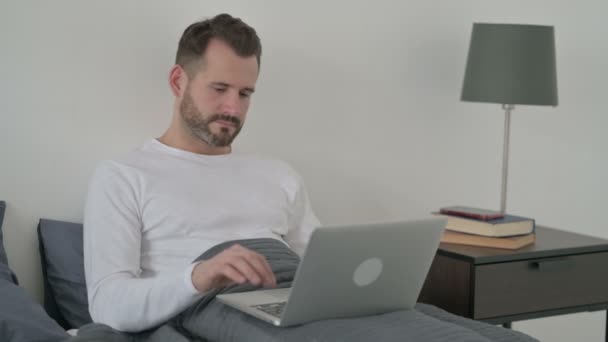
361, 97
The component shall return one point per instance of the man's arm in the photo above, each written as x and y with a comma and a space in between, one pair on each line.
118, 296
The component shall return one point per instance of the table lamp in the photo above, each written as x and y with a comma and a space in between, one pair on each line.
510, 64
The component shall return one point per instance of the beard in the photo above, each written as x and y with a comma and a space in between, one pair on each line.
198, 124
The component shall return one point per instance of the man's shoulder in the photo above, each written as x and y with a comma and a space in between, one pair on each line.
113, 169
128, 162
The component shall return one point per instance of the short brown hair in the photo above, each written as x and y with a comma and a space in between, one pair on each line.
241, 37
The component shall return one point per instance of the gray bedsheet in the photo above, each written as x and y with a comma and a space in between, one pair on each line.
210, 320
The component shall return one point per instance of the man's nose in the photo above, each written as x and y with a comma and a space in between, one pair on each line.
231, 103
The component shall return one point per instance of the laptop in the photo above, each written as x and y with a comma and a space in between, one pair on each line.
350, 271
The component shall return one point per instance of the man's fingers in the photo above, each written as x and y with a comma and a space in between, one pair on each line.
259, 263
246, 269
250, 264
232, 274
263, 268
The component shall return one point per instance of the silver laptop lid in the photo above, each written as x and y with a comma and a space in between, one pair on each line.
365, 269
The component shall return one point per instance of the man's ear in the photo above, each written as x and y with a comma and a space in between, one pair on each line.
178, 80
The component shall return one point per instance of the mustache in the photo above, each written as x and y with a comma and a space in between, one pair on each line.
229, 118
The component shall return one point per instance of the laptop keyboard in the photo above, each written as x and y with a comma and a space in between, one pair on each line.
274, 309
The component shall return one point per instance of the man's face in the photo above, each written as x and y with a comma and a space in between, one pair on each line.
215, 102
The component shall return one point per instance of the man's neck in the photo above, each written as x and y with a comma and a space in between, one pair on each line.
186, 142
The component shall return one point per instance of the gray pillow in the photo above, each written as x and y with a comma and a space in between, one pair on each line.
5, 272
61, 253
23, 320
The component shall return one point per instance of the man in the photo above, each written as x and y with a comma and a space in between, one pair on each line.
150, 214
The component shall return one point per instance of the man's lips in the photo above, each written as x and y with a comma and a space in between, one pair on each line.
225, 123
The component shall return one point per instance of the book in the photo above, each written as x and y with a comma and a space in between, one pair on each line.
509, 225
476, 213
512, 242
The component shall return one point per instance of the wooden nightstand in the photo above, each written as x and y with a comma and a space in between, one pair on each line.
561, 273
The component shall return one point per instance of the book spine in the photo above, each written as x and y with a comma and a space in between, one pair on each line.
480, 217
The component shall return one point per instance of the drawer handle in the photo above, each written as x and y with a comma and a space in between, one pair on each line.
551, 264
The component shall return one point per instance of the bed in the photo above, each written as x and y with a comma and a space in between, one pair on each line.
66, 309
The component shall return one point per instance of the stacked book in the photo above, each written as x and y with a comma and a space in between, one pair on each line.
487, 228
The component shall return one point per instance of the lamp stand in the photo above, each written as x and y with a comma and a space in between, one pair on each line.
505, 157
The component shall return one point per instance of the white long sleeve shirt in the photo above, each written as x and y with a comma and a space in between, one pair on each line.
150, 214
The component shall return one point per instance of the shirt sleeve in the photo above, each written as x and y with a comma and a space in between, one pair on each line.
302, 219
118, 295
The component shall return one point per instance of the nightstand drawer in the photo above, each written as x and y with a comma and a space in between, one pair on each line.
510, 288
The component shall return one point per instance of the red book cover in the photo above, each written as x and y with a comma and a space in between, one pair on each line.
474, 213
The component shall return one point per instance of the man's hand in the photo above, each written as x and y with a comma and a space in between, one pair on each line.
236, 264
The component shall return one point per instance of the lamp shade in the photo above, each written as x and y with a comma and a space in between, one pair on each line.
511, 64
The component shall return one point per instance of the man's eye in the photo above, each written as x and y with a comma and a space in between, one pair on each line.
244, 95
220, 90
